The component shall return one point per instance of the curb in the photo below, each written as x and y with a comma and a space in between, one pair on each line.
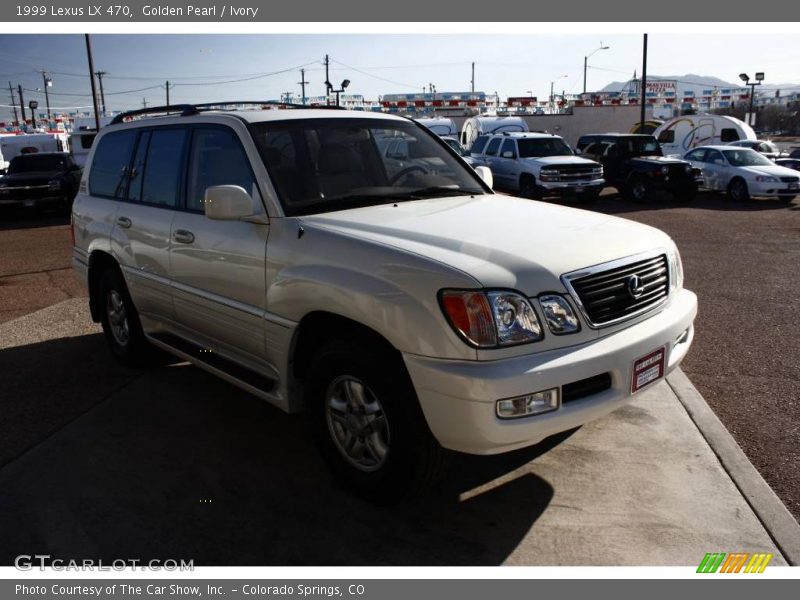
774, 516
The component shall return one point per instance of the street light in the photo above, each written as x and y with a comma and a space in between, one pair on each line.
343, 87
33, 105
552, 97
586, 62
746, 78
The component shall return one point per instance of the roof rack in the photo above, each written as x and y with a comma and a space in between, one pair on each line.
187, 110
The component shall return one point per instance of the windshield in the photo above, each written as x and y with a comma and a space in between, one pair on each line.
747, 158
531, 147
323, 165
32, 163
643, 146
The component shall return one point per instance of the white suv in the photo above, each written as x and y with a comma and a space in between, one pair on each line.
408, 311
537, 165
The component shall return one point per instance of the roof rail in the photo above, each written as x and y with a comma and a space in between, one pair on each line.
185, 110
237, 103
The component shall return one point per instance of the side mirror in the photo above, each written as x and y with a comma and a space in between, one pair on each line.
508, 154
485, 173
578, 151
228, 203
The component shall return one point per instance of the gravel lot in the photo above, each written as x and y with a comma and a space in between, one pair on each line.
741, 259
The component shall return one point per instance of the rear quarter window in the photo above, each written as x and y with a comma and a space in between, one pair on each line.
108, 176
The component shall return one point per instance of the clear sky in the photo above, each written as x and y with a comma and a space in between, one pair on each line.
512, 65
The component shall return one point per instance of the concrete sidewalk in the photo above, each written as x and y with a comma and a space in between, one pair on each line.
177, 464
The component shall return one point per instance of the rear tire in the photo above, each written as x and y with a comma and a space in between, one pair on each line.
527, 187
368, 424
120, 320
738, 191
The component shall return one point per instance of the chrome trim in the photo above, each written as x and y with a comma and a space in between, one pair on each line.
567, 278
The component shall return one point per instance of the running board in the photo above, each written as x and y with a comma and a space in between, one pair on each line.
255, 383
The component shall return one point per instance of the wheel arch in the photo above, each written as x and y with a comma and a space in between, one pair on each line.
99, 262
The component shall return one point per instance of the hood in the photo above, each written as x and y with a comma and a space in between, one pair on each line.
771, 170
34, 177
501, 241
560, 160
661, 160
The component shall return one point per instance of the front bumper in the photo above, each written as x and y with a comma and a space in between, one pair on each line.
9, 198
771, 190
458, 397
569, 188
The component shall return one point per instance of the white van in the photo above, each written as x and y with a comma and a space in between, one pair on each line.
477, 126
681, 134
440, 126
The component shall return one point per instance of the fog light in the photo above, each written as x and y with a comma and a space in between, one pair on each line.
530, 404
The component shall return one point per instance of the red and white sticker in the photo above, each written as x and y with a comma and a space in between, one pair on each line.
648, 369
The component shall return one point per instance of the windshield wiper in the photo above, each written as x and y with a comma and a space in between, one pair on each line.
435, 191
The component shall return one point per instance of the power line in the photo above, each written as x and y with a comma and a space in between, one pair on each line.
261, 76
375, 76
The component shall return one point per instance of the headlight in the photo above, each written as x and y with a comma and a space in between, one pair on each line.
664, 170
676, 268
491, 319
559, 315
766, 179
687, 168
548, 175
54, 184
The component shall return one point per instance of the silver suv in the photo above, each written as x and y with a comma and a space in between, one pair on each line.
537, 165
406, 307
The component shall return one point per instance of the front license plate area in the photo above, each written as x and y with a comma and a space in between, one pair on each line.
648, 369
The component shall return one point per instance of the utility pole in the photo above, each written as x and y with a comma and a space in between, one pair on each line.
21, 103
643, 88
91, 78
168, 93
328, 86
472, 81
100, 75
13, 102
144, 102
303, 83
46, 81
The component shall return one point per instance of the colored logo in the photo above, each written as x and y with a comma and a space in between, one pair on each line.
735, 562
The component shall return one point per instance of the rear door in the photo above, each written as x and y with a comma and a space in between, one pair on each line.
490, 154
218, 267
149, 187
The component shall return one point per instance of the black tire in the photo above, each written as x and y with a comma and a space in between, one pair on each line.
738, 191
398, 455
527, 187
589, 197
120, 321
639, 190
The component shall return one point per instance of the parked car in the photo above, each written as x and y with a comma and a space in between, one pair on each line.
789, 163
743, 173
795, 153
536, 165
40, 180
407, 314
764, 147
459, 149
635, 165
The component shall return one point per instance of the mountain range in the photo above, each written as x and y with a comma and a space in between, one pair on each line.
698, 83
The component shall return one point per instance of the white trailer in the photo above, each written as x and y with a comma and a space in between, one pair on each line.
681, 134
30, 143
476, 126
440, 126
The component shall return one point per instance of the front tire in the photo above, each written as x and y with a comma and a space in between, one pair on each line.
738, 191
639, 190
368, 424
527, 187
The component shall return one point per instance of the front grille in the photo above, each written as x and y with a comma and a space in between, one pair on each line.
679, 171
585, 387
578, 173
614, 294
790, 179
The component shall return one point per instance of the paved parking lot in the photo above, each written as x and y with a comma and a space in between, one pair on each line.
740, 259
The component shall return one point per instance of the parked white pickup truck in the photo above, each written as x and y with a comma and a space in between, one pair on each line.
536, 165
408, 311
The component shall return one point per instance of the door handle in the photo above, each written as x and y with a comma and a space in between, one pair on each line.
183, 237
124, 222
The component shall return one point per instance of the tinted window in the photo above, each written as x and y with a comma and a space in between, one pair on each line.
217, 158
728, 135
531, 147
508, 146
479, 144
667, 137
714, 157
87, 141
491, 149
584, 143
31, 163
696, 155
162, 171
112, 158
747, 158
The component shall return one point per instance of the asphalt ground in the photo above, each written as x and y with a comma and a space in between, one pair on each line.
740, 259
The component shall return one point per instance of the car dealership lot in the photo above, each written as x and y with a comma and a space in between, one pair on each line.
147, 450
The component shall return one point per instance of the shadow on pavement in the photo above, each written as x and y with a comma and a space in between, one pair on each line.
615, 203
179, 464
19, 218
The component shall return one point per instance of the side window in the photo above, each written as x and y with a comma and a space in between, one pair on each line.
728, 135
586, 145
491, 149
715, 158
162, 170
137, 170
509, 146
217, 158
667, 137
479, 144
696, 155
108, 176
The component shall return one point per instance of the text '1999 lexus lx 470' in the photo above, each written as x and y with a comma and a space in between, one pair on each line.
406, 307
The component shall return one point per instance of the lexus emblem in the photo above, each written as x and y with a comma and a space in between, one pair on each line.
635, 287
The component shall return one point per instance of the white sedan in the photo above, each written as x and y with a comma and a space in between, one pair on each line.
743, 173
